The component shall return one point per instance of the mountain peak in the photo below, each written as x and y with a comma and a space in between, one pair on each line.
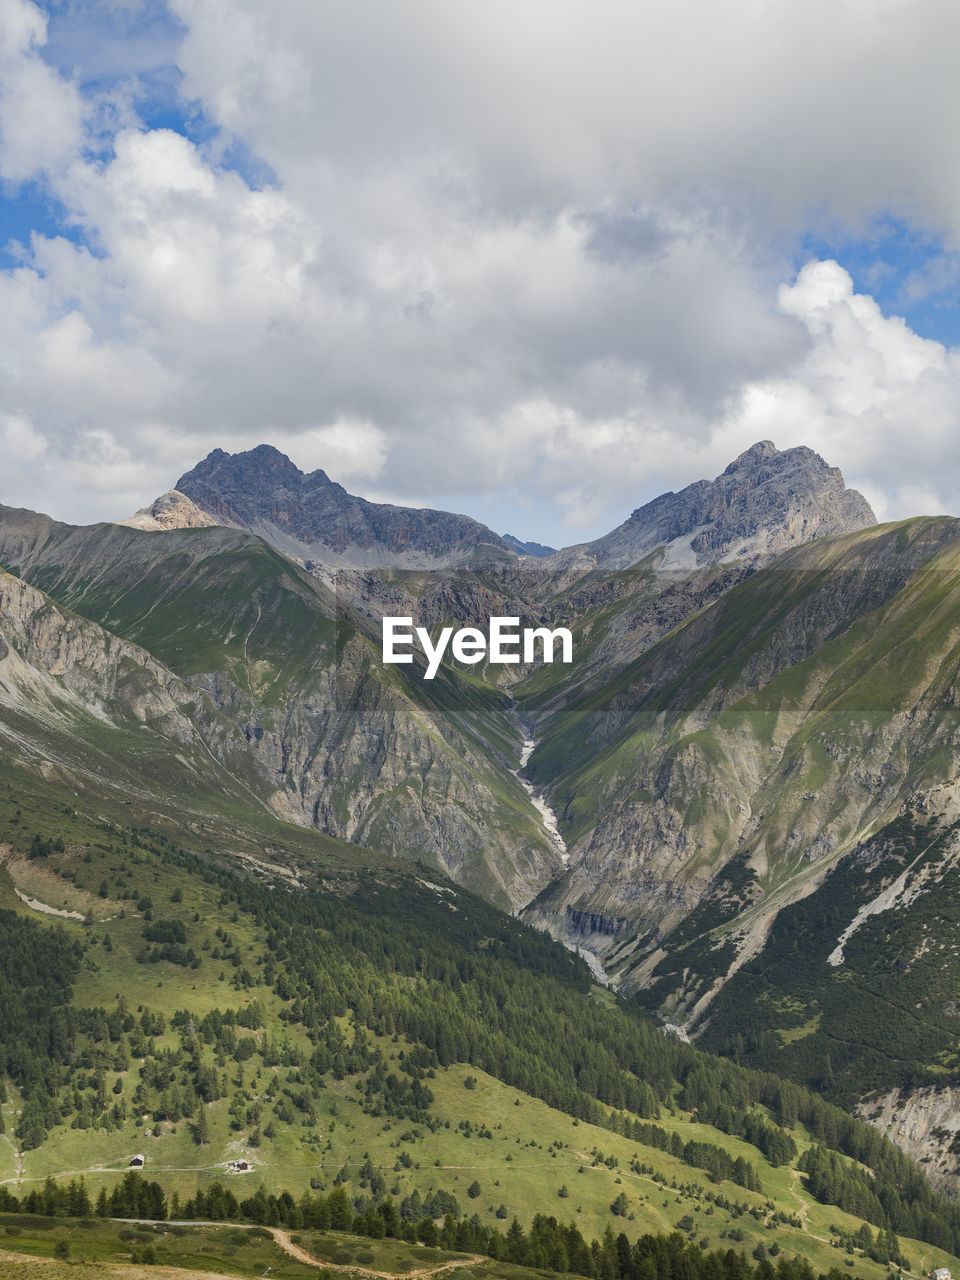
262, 460
172, 510
762, 451
311, 517
766, 501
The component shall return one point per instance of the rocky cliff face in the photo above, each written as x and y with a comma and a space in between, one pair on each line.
49, 656
775, 727
76, 696
764, 502
925, 1123
292, 682
313, 518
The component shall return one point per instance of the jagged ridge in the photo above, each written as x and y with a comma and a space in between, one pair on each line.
314, 518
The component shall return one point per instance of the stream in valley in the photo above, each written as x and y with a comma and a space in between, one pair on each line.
549, 819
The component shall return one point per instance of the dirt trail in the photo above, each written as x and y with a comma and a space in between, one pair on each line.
18, 1157
106, 1168
802, 1212
297, 1251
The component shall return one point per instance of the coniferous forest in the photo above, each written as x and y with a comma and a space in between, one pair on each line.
381, 989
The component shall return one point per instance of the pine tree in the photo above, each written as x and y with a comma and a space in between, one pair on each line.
201, 1131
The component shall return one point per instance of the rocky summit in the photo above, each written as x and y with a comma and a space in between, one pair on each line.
764, 502
172, 510
313, 518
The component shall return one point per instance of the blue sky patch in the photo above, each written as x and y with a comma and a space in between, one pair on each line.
24, 209
910, 273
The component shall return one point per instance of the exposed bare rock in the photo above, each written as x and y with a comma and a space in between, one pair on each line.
321, 731
925, 1123
765, 502
68, 685
313, 518
774, 726
172, 510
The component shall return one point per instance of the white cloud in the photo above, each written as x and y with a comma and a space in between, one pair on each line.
41, 115
791, 107
870, 395
349, 449
532, 251
20, 443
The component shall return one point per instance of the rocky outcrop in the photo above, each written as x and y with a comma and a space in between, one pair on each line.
172, 510
74, 693
764, 502
356, 756
535, 549
51, 656
925, 1123
314, 518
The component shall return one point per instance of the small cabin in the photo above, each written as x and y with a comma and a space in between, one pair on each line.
940, 1273
243, 1166
137, 1162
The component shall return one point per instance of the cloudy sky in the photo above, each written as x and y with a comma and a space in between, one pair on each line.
535, 261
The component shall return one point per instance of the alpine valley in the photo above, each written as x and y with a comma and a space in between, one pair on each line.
639, 967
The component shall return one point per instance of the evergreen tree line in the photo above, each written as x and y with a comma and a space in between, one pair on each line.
699, 1155
37, 967
834, 1181
547, 1245
134, 1197
471, 986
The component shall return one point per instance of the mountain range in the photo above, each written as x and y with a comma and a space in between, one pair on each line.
739, 802
764, 502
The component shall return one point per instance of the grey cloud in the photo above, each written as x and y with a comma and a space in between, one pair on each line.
624, 239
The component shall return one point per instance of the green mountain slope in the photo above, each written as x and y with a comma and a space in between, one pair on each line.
390, 1034
727, 737
779, 726
855, 989
329, 737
